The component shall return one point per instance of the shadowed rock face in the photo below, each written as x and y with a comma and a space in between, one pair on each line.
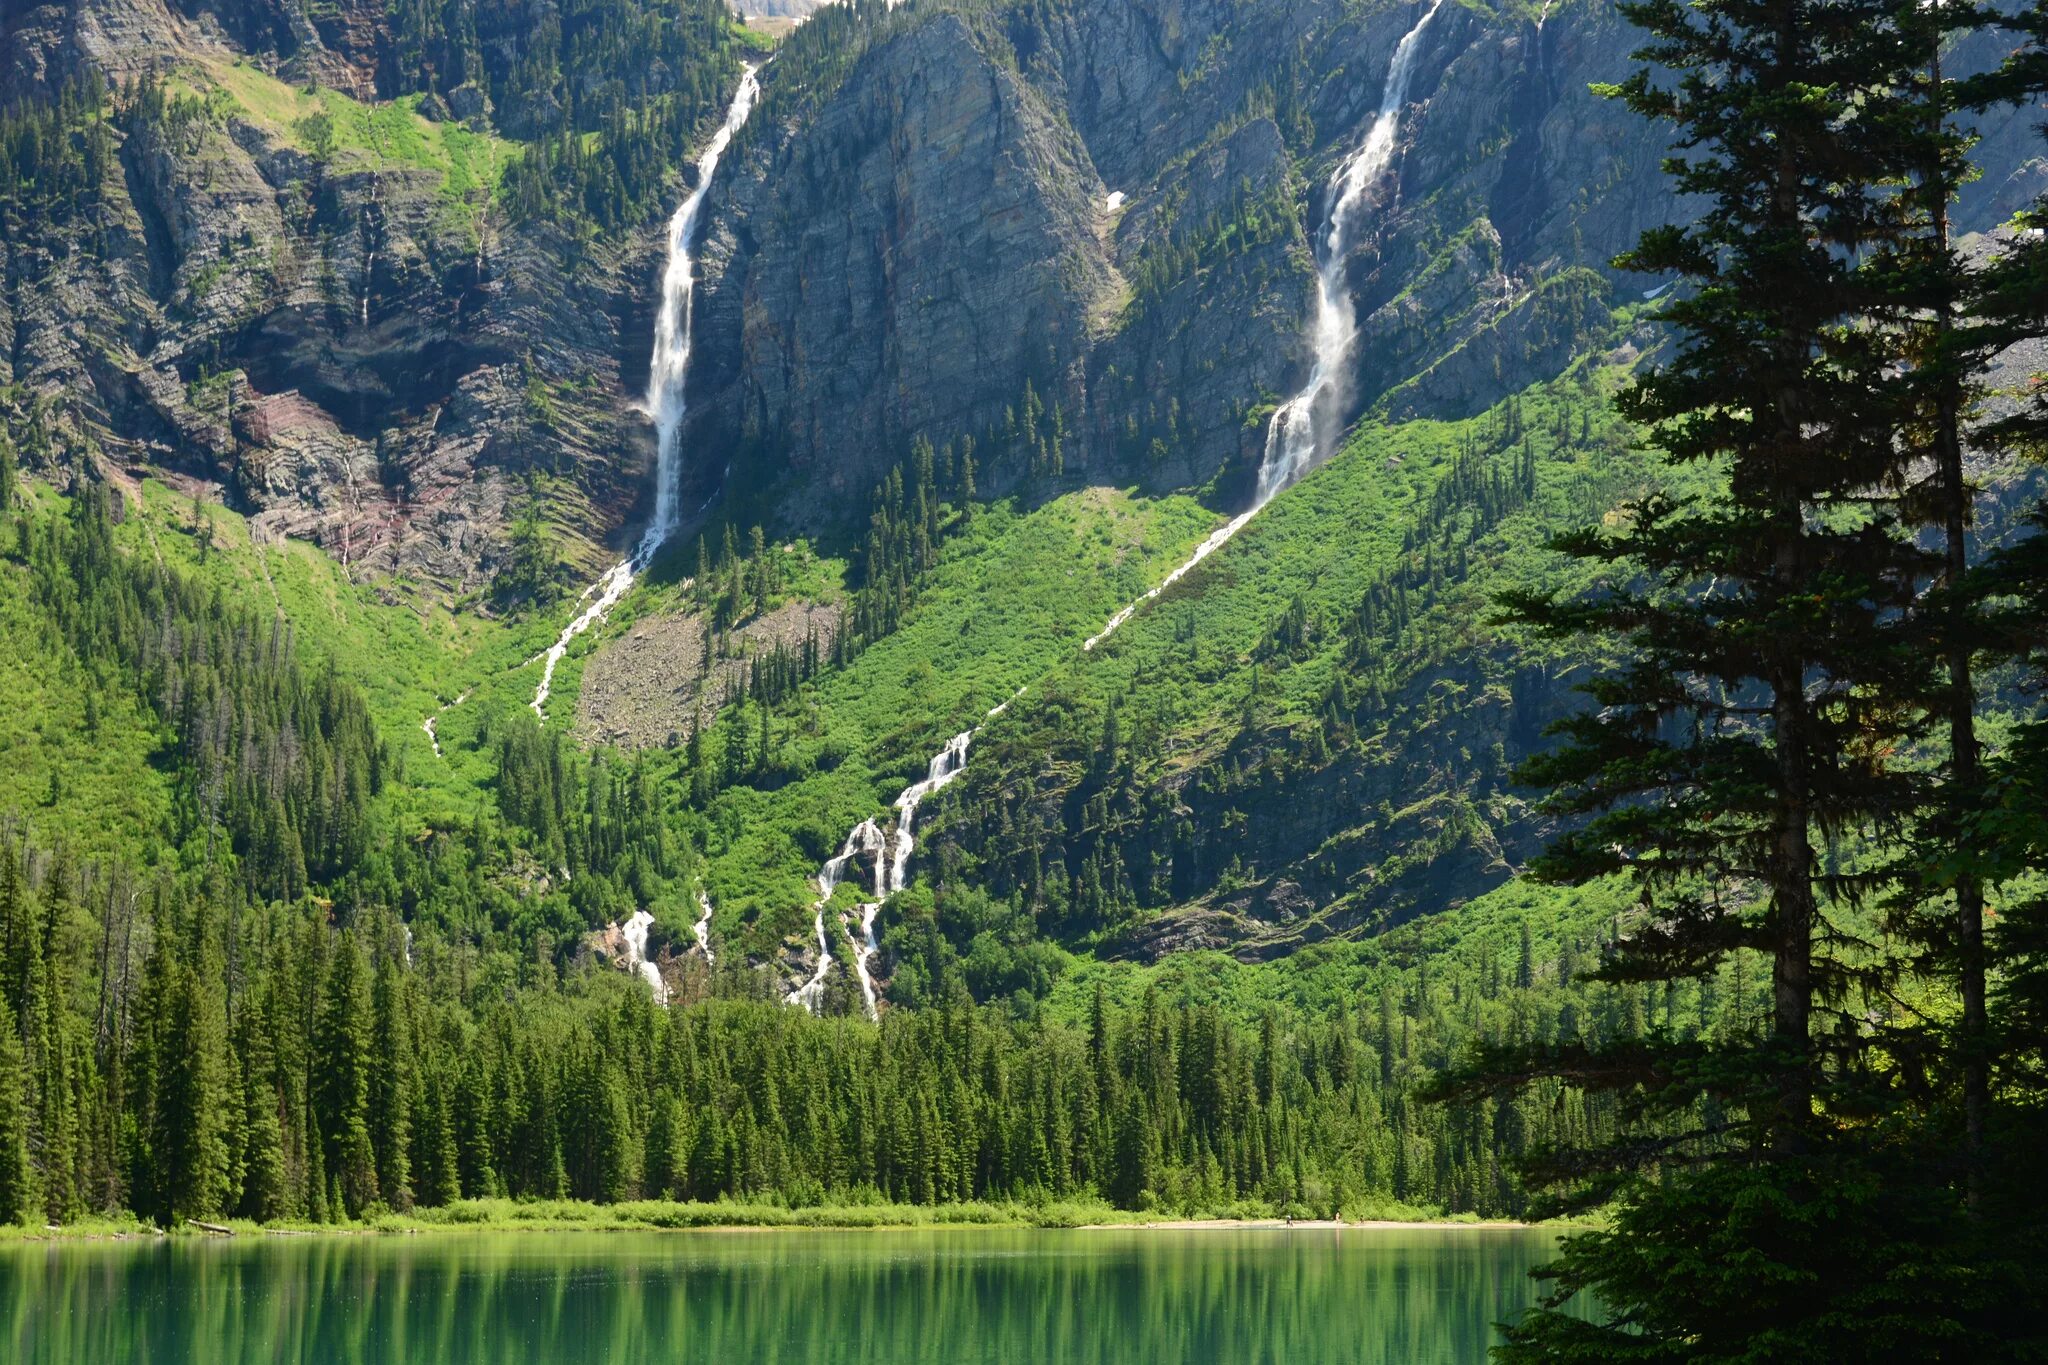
899, 263
1112, 205
346, 352
1118, 208
895, 264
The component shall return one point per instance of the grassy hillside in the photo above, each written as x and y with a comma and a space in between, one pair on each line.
354, 135
1313, 732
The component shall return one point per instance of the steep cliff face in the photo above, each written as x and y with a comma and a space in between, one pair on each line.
338, 331
899, 263
1115, 200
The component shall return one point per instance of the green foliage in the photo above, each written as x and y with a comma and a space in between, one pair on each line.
316, 130
1147, 773
55, 153
533, 568
604, 133
1184, 255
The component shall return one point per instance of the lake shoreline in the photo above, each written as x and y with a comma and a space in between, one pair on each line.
568, 1216
1314, 1225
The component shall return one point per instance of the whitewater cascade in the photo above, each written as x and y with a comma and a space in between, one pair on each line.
892, 873
432, 724
634, 932
702, 928
666, 372
1305, 428
865, 839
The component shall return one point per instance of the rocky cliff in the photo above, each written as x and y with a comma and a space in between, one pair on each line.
317, 307
1077, 234
1112, 200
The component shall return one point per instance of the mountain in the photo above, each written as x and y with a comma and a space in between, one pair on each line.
301, 270
994, 312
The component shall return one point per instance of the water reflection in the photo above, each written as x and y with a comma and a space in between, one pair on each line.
942, 1296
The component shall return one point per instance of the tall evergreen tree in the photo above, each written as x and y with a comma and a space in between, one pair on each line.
342, 1042
1933, 304
391, 1080
183, 1081
263, 1192
2006, 833
17, 1178
1774, 654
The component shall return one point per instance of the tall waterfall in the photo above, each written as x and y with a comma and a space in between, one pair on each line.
666, 372
1303, 434
1305, 429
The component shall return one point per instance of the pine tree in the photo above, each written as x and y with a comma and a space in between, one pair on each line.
342, 1041
391, 1083
263, 1193
17, 1180
1774, 646
438, 1163
2006, 834
55, 1135
186, 1161
1943, 356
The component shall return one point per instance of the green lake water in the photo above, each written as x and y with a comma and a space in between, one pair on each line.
949, 1295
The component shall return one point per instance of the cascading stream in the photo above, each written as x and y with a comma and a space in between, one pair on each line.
666, 372
1305, 429
634, 932
702, 928
1302, 435
891, 853
432, 724
866, 838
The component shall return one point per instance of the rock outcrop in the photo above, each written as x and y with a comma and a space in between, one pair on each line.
1078, 235
351, 343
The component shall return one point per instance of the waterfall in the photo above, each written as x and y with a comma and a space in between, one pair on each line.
866, 838
944, 767
892, 872
670, 364
1305, 428
666, 372
702, 928
634, 932
1304, 431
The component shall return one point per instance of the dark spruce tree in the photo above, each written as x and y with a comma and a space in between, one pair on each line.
1933, 295
1747, 756
2006, 830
